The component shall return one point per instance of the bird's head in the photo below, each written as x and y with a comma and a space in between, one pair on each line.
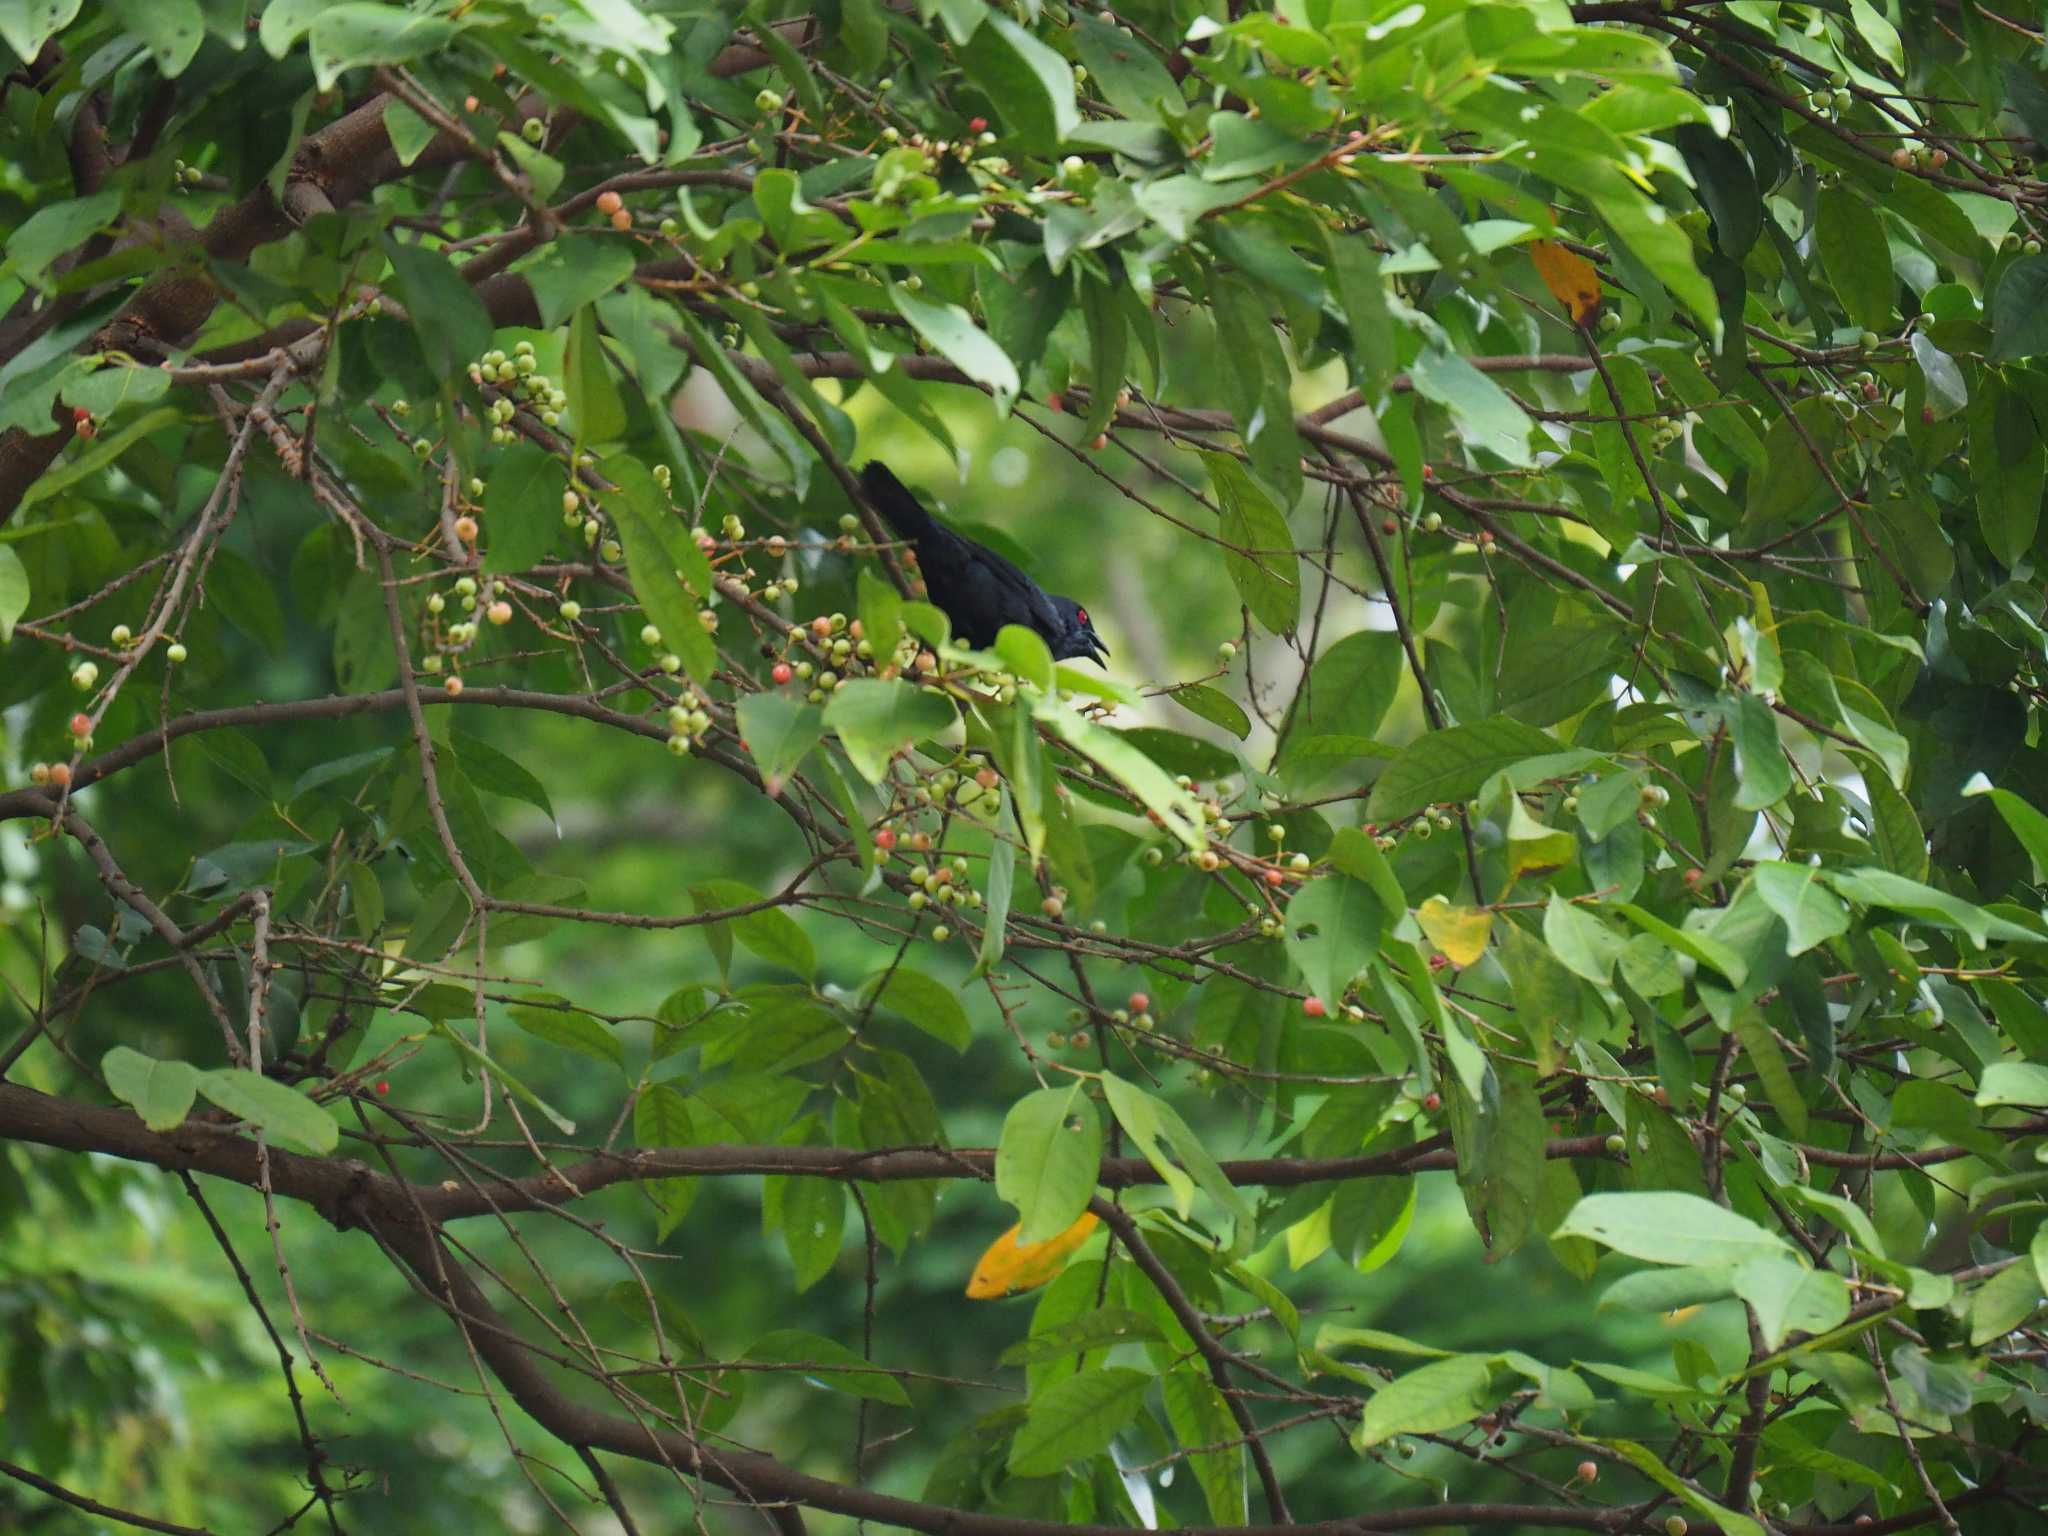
1077, 640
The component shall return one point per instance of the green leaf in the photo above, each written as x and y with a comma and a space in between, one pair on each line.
1882, 888
951, 332
770, 933
522, 509
1761, 1046
596, 410
1076, 1417
1483, 411
2027, 824
933, 1008
2019, 310
448, 318
576, 271
662, 558
1031, 86
1763, 776
1047, 1160
996, 893
496, 773
161, 1092
1259, 551
408, 132
1812, 915
833, 1365
811, 1214
573, 1031
1787, 1297
2013, 1082
778, 730
171, 30
1201, 1419
25, 25
881, 616
344, 37
363, 658
57, 230
14, 591
1438, 1396
1855, 256
278, 1110
875, 720
1214, 707
2003, 1303
1178, 810
1333, 927
1645, 1461
1666, 1227
1138, 1113
1451, 765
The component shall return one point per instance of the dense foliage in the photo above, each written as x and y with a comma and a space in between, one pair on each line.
1511, 1002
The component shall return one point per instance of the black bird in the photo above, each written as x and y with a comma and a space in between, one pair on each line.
974, 586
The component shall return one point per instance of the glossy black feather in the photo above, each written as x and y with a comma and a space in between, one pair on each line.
974, 586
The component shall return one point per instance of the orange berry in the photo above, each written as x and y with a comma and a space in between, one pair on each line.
465, 528
622, 220
1140, 1003
609, 203
60, 775
1313, 1007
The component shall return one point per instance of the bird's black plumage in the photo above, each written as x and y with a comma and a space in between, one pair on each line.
974, 586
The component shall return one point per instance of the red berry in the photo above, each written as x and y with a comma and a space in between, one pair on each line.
1274, 877
885, 839
1140, 1003
1056, 402
81, 724
977, 125
609, 203
1588, 1470
1432, 1102
80, 413
782, 672
383, 1085
1313, 1007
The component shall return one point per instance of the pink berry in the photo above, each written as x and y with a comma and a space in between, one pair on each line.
1313, 1007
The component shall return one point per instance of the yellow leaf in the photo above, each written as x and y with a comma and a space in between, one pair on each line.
1012, 1266
1575, 280
1460, 932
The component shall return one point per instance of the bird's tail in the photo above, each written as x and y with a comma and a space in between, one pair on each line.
893, 499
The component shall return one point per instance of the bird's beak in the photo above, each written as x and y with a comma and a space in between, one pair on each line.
1099, 653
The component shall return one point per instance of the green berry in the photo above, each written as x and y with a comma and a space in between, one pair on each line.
649, 635
175, 652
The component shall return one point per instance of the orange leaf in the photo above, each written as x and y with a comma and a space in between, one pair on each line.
1574, 280
1012, 1266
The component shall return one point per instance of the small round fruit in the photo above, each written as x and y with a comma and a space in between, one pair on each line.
766, 100
84, 675
622, 220
1902, 159
121, 634
1079, 1039
609, 203
885, 839
60, 775
175, 652
1615, 1145
533, 130
782, 672
1432, 1102
1053, 907
499, 612
465, 528
1588, 1471
39, 773
1139, 1002
1313, 1007
649, 635
571, 611
81, 724
1674, 1525
454, 687
1226, 650
941, 933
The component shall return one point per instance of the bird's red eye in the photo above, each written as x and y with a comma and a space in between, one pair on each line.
1081, 614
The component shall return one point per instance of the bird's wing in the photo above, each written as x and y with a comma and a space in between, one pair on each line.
900, 509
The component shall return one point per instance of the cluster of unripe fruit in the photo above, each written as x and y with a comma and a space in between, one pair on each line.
516, 373
837, 652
